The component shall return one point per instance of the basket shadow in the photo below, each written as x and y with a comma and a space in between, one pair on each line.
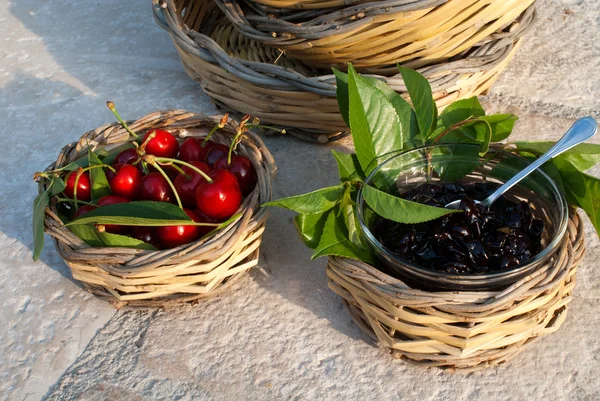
292, 275
301, 167
33, 142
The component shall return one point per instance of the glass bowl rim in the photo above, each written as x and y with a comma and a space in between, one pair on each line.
548, 249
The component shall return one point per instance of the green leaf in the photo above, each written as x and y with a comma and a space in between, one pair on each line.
335, 241
454, 162
310, 227
99, 183
73, 166
549, 168
402, 107
582, 190
39, 207
355, 234
508, 168
501, 124
475, 132
140, 213
373, 121
583, 156
341, 92
481, 130
349, 197
95, 238
228, 221
317, 201
552, 171
401, 210
461, 110
57, 185
415, 136
403, 110
348, 166
421, 97
487, 137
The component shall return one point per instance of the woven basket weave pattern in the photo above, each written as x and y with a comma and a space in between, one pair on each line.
460, 330
138, 278
294, 97
374, 36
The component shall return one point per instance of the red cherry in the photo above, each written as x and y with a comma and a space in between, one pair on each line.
191, 150
172, 236
155, 187
83, 210
146, 234
221, 198
215, 152
243, 170
83, 186
164, 144
186, 186
126, 181
111, 200
128, 156
169, 170
203, 218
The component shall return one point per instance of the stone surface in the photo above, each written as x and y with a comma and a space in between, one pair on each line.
555, 71
280, 334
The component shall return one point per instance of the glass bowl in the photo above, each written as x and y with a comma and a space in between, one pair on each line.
430, 164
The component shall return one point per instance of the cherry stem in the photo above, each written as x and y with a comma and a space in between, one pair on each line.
214, 129
165, 160
111, 168
242, 128
160, 170
79, 173
452, 128
142, 148
236, 140
83, 170
71, 200
112, 108
179, 169
280, 130
39, 175
145, 167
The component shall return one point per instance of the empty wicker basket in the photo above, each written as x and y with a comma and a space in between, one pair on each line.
375, 35
460, 330
141, 278
256, 79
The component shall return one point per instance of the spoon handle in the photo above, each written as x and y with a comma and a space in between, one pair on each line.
581, 130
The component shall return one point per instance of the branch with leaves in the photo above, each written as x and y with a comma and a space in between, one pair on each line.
384, 124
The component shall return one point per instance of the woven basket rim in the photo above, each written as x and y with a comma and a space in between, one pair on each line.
399, 285
280, 78
156, 278
328, 37
302, 6
460, 330
314, 25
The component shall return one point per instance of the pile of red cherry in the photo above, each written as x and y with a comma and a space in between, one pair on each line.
203, 201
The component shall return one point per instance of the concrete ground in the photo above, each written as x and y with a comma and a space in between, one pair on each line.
280, 334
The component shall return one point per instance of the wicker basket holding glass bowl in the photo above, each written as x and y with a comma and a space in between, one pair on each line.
464, 288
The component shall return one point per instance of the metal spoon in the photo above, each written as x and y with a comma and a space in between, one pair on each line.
582, 129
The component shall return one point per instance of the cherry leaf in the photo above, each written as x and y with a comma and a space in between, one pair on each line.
401, 210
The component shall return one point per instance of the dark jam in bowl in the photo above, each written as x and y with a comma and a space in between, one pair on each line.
473, 242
